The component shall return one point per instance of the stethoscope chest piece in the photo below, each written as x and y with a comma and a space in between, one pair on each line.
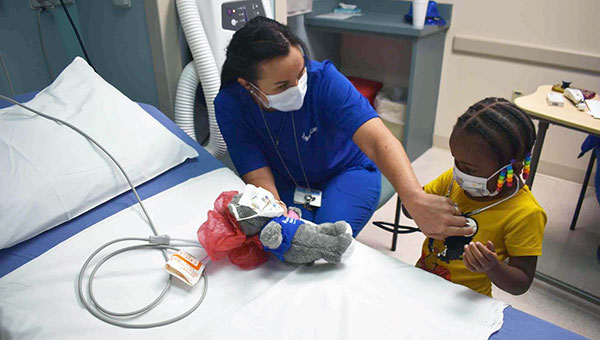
471, 223
454, 245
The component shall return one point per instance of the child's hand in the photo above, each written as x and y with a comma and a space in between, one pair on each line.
480, 258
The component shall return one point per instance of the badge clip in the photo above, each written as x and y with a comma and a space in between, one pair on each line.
308, 197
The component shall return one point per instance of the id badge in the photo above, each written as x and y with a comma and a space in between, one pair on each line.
304, 196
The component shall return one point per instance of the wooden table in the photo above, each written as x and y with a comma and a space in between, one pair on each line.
569, 117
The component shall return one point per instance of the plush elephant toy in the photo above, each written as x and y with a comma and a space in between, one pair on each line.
294, 240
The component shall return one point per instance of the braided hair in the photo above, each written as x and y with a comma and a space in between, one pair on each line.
259, 40
506, 128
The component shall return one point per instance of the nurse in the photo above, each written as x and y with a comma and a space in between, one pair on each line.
300, 129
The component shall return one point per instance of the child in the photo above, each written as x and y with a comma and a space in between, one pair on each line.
491, 144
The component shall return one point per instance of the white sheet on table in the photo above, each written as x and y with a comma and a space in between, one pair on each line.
370, 296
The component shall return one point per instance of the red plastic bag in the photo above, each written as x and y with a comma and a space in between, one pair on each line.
223, 200
250, 255
218, 236
221, 237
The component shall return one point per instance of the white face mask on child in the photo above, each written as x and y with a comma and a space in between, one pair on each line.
475, 186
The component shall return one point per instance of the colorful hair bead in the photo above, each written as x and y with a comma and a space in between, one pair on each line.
527, 166
501, 180
509, 174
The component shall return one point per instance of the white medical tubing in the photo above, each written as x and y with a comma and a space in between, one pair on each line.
206, 69
111, 317
160, 242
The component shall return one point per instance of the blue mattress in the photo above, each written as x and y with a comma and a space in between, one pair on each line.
517, 324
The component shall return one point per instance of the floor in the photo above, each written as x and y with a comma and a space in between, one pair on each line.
567, 255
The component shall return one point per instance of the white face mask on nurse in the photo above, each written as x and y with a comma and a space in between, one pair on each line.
290, 99
282, 82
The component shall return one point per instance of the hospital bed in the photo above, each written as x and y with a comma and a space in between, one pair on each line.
369, 296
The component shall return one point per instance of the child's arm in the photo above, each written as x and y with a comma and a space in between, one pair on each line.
514, 277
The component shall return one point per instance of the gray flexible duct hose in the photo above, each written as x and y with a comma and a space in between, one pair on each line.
206, 69
185, 99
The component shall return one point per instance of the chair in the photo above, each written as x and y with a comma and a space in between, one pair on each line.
387, 191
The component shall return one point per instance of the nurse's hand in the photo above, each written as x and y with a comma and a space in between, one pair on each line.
285, 208
437, 216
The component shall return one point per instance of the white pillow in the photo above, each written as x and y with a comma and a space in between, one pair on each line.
50, 174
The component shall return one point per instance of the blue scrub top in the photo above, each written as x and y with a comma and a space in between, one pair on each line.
332, 112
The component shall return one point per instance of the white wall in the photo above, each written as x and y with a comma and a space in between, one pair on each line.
466, 78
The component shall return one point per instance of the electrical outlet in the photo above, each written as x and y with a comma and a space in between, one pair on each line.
37, 4
515, 94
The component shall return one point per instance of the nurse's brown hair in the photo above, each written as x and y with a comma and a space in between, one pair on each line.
259, 40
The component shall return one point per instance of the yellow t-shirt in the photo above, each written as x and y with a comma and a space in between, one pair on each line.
515, 226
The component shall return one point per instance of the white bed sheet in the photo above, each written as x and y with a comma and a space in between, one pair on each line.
371, 296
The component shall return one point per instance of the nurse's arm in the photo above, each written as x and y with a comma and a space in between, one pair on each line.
262, 177
435, 215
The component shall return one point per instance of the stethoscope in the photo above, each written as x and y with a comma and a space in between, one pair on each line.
471, 222
308, 198
457, 242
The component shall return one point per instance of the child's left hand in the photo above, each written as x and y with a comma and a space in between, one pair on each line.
480, 258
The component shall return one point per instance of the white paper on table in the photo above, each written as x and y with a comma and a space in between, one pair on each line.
594, 106
337, 16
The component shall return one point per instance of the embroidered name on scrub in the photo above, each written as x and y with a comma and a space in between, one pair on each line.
310, 133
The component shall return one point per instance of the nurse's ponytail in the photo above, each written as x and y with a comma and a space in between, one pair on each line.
259, 40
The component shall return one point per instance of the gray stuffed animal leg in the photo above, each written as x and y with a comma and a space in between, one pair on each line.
271, 235
326, 241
